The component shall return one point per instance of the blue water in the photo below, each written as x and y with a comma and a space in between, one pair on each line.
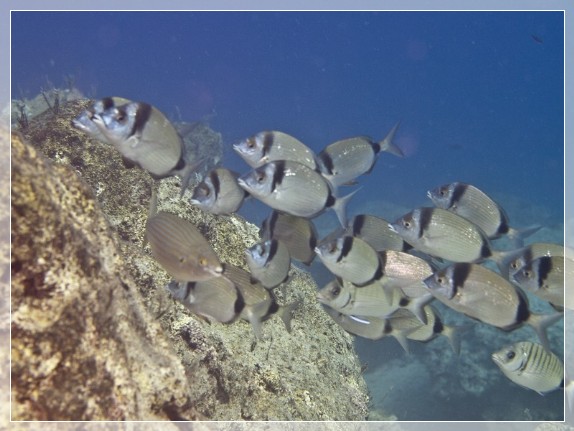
479, 96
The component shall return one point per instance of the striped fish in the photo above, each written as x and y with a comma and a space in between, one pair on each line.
531, 366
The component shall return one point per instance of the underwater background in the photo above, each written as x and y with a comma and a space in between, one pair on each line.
480, 98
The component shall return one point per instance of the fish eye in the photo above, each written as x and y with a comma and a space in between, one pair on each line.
181, 259
510, 355
202, 261
514, 264
335, 290
440, 280
527, 273
406, 224
260, 177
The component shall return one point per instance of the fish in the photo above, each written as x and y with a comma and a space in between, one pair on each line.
513, 260
425, 332
180, 248
272, 145
343, 161
260, 304
269, 262
219, 192
475, 205
373, 328
298, 234
531, 366
443, 234
216, 299
370, 300
280, 184
485, 295
398, 265
350, 258
376, 231
84, 122
147, 139
544, 277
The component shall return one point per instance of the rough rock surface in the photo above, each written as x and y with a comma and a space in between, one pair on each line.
95, 334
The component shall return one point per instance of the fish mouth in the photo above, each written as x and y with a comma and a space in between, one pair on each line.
429, 194
496, 359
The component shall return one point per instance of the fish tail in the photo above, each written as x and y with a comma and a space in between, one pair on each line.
401, 337
187, 172
387, 143
340, 207
540, 322
452, 333
516, 236
569, 393
416, 306
286, 314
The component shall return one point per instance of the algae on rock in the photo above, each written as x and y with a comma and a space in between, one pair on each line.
89, 303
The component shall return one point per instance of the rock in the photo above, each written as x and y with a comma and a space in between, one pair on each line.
95, 334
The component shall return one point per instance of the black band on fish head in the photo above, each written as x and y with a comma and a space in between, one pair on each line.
278, 174
107, 102
358, 224
544, 268
457, 193
327, 162
267, 143
272, 250
143, 113
460, 274
215, 181
347, 246
425, 217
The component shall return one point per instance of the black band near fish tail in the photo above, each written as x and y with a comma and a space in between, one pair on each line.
142, 116
522, 311
438, 327
485, 250
544, 268
457, 193
239, 304
425, 219
347, 246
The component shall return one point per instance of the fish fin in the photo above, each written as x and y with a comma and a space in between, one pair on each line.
416, 306
253, 313
340, 207
387, 143
186, 174
542, 321
452, 333
516, 236
569, 392
286, 314
401, 337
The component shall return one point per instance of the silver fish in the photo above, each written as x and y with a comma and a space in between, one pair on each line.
219, 192
84, 122
297, 233
269, 262
485, 295
146, 138
376, 231
443, 234
343, 161
370, 300
216, 299
513, 260
473, 204
260, 304
280, 185
350, 258
270, 146
544, 277
181, 249
531, 366
372, 328
398, 265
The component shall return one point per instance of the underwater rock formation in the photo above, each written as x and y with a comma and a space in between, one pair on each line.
95, 334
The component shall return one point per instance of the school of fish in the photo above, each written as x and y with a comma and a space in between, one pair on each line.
385, 274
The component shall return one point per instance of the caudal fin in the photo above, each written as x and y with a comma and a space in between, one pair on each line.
387, 143
516, 236
340, 207
542, 321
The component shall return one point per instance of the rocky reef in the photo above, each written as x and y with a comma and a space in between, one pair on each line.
95, 335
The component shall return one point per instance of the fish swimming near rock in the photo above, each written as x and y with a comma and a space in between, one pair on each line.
216, 299
260, 304
84, 122
219, 193
443, 234
398, 265
531, 366
273, 145
485, 295
181, 249
298, 234
146, 138
269, 262
350, 258
544, 277
295, 189
343, 161
473, 204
